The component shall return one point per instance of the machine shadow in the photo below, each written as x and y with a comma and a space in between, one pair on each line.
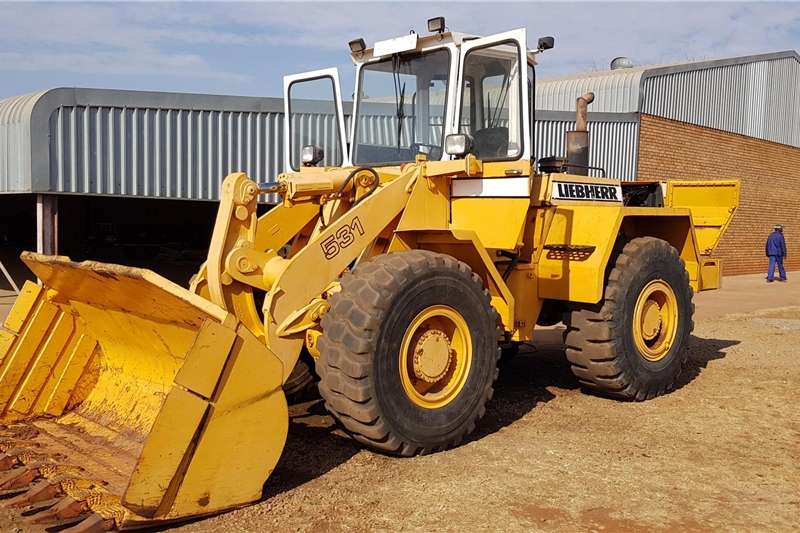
527, 380
309, 426
701, 353
523, 382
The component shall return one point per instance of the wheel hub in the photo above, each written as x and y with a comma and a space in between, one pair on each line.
651, 319
435, 356
432, 356
655, 320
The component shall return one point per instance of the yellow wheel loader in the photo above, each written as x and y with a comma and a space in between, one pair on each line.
400, 262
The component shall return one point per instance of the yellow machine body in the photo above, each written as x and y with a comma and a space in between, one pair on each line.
133, 401
142, 401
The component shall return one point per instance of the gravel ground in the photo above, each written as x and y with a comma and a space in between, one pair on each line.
719, 453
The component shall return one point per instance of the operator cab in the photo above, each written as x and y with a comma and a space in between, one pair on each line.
411, 93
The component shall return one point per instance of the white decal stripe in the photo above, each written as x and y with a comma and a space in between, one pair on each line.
491, 188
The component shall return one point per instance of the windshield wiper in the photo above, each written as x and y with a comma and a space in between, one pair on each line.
399, 98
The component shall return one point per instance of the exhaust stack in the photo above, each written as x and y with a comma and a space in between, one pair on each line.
578, 140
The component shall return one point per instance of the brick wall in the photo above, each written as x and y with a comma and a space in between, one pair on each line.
770, 175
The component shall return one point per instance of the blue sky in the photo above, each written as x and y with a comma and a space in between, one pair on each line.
245, 48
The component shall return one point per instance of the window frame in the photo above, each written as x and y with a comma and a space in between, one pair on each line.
517, 38
288, 82
450, 95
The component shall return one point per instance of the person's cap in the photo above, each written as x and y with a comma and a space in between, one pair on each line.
778, 226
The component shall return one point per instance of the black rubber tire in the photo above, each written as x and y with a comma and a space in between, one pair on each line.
360, 344
599, 338
301, 385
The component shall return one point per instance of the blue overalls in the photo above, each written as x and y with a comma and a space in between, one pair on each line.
776, 251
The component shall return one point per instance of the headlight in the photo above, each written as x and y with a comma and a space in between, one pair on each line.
311, 155
458, 144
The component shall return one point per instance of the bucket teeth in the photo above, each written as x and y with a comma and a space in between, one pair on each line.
40, 491
7, 462
9, 493
93, 524
67, 508
19, 477
16, 457
39, 506
60, 501
62, 524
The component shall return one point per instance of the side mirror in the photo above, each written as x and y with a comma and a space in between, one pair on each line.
458, 144
546, 43
311, 155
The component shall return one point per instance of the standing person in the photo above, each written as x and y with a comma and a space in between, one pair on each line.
776, 251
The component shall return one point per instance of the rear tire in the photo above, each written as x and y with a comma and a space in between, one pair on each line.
633, 344
409, 352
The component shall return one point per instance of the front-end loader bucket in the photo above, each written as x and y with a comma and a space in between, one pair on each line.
126, 400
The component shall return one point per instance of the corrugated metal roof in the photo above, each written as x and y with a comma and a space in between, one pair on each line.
760, 99
757, 95
136, 143
615, 91
15, 141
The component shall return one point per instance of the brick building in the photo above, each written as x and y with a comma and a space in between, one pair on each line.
728, 118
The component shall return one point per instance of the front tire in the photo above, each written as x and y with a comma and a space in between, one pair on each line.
409, 352
633, 344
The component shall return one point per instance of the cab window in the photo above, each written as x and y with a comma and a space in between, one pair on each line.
491, 110
313, 119
401, 107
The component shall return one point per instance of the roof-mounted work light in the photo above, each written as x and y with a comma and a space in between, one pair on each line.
436, 25
357, 45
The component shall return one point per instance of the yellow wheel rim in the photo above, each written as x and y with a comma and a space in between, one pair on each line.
655, 320
435, 357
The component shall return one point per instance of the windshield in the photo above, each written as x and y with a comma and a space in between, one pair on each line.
401, 108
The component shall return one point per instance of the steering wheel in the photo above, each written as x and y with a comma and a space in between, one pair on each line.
491, 142
433, 151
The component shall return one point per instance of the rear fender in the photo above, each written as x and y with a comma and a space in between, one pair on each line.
580, 241
675, 228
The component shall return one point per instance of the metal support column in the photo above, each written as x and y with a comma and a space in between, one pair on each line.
47, 224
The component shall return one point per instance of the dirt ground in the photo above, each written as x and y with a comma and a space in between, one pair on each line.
720, 453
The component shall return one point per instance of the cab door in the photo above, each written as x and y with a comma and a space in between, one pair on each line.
492, 107
493, 101
313, 115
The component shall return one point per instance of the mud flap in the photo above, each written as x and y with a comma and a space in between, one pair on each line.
128, 400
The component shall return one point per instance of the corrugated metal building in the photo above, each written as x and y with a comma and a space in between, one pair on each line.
77, 157
753, 95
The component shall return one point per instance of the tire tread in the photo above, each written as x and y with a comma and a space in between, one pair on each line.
349, 338
594, 332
